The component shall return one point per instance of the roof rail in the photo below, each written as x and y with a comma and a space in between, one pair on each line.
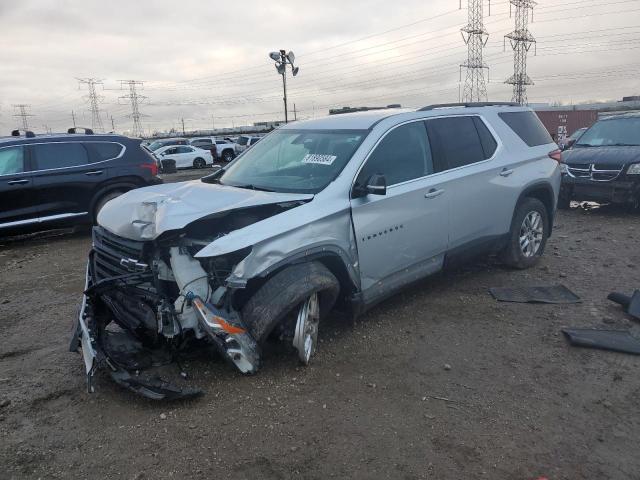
27, 133
87, 131
469, 104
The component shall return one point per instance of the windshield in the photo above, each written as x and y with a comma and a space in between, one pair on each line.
297, 161
620, 131
575, 135
153, 146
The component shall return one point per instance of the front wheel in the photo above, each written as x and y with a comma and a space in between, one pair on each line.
528, 235
199, 163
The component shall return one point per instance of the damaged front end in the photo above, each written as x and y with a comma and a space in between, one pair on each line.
147, 302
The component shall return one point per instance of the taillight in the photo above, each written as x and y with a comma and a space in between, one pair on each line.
556, 155
152, 167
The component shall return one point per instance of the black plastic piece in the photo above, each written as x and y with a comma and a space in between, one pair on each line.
87, 131
27, 133
556, 294
469, 104
153, 388
631, 304
614, 340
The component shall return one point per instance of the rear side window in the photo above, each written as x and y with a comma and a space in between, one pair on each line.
11, 160
528, 127
489, 143
104, 150
402, 155
455, 142
243, 140
59, 155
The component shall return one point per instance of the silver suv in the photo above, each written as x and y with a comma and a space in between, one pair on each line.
334, 212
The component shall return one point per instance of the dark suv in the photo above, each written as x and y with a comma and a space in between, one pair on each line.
604, 164
57, 180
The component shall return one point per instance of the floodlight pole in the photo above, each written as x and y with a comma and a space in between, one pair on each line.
282, 59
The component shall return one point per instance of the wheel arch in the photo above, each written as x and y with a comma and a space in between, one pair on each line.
544, 192
123, 185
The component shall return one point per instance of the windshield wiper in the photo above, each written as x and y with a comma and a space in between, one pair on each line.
253, 187
624, 145
584, 145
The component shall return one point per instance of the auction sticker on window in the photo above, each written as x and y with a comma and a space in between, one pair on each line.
319, 159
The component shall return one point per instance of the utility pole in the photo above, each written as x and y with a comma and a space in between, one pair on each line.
295, 113
93, 99
213, 124
23, 113
183, 133
73, 117
113, 125
475, 37
135, 100
521, 41
282, 59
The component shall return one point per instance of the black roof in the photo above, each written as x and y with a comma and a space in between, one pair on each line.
59, 137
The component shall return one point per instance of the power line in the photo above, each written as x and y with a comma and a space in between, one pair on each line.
521, 41
134, 99
93, 99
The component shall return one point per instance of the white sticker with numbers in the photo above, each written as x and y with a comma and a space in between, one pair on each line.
319, 159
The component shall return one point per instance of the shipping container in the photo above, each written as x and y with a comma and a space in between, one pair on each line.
562, 123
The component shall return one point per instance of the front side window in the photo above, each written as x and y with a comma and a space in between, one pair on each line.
403, 154
60, 155
455, 141
11, 160
613, 132
302, 161
243, 140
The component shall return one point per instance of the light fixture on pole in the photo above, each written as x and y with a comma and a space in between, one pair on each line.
282, 59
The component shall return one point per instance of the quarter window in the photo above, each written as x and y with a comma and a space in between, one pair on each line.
105, 151
11, 160
528, 127
60, 155
455, 142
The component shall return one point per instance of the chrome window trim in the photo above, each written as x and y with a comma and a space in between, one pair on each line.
122, 152
29, 221
496, 137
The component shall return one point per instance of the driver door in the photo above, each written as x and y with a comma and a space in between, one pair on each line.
403, 234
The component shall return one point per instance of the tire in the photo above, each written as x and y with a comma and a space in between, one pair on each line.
285, 292
103, 201
199, 163
532, 211
228, 155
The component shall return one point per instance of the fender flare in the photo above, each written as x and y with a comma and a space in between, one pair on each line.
548, 189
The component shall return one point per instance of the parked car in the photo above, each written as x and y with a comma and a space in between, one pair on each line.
205, 143
571, 139
244, 142
165, 142
604, 164
185, 156
66, 179
226, 149
340, 211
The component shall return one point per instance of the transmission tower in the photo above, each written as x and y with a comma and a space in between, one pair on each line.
22, 112
134, 99
93, 100
475, 37
521, 41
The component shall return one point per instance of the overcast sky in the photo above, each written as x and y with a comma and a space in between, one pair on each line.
207, 61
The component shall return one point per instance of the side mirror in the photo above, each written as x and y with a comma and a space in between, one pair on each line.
376, 185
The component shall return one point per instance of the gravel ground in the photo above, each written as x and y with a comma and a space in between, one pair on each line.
439, 382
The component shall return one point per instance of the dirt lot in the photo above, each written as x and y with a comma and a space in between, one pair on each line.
439, 382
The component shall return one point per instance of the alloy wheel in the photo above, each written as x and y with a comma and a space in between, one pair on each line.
531, 234
306, 334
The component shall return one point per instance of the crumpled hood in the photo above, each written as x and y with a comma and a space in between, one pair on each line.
601, 155
146, 213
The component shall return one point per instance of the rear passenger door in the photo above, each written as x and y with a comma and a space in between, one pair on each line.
466, 157
401, 236
18, 205
64, 179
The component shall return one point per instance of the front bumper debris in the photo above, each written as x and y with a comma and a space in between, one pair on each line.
614, 191
125, 358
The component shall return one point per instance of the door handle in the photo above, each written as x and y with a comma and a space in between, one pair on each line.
95, 172
433, 193
18, 182
506, 172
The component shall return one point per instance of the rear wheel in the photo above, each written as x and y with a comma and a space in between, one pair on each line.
199, 163
528, 235
227, 156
